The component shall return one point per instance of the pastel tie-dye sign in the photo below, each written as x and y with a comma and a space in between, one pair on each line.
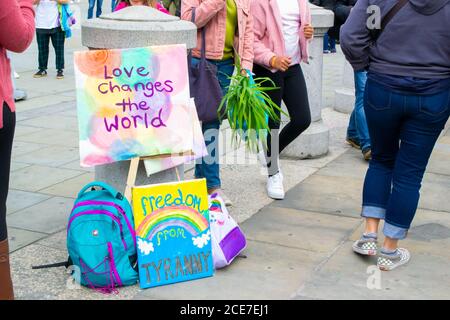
132, 103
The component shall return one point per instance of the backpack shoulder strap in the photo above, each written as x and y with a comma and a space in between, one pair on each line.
392, 13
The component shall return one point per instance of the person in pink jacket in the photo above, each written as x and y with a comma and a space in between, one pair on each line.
229, 30
16, 34
151, 3
282, 30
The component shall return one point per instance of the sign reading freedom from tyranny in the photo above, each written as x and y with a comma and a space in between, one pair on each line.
172, 232
132, 103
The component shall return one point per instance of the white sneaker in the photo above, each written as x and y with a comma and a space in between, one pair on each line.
275, 188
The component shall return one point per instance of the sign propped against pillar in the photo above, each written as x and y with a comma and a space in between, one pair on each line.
133, 103
172, 232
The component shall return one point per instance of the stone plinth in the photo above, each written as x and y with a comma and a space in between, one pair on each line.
344, 97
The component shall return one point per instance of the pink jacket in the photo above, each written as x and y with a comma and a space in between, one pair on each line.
123, 4
16, 34
269, 40
212, 14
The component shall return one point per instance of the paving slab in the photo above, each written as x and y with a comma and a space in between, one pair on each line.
18, 165
20, 148
326, 194
299, 229
434, 192
45, 284
71, 187
53, 122
269, 272
18, 200
238, 180
35, 178
52, 156
350, 164
19, 238
24, 130
349, 276
40, 101
56, 137
48, 217
439, 161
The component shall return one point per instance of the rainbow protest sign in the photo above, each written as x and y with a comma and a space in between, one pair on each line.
173, 235
132, 103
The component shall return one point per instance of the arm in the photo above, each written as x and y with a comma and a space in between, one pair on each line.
262, 54
16, 24
205, 11
356, 38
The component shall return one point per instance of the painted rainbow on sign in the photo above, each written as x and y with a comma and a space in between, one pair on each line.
183, 216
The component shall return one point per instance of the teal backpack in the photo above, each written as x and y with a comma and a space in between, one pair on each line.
101, 239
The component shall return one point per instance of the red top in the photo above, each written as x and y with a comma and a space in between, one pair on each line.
16, 34
123, 4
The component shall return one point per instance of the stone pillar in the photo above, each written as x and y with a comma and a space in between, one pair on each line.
314, 141
344, 97
136, 26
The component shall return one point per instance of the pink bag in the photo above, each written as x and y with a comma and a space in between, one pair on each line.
227, 238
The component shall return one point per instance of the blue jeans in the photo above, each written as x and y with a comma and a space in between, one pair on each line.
113, 5
404, 129
329, 43
357, 127
208, 166
91, 8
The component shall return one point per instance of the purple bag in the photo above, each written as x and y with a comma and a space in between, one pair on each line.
204, 85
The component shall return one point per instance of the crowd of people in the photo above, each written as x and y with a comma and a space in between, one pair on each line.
402, 95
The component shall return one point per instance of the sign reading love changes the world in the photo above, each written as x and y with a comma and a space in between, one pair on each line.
132, 103
172, 232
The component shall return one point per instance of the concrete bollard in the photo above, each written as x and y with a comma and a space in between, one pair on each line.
132, 27
344, 97
314, 142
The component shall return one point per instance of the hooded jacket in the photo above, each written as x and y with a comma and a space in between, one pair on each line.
416, 43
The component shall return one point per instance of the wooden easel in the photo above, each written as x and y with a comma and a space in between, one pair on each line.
134, 166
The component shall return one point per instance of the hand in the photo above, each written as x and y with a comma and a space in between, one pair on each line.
308, 30
280, 63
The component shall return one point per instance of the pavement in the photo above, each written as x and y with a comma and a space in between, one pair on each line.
298, 248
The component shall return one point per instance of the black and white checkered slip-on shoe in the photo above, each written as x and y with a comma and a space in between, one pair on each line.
366, 246
388, 262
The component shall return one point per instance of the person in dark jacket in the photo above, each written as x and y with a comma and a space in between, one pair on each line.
407, 104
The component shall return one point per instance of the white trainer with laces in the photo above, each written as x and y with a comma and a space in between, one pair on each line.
275, 188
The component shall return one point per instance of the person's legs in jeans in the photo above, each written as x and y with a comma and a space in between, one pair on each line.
358, 123
208, 167
384, 116
419, 133
6, 141
113, 5
58, 39
326, 43
43, 41
332, 42
91, 9
99, 8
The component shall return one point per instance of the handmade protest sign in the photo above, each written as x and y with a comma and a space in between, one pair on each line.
132, 103
172, 232
199, 150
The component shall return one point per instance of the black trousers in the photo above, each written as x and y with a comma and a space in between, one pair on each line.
6, 140
58, 37
294, 93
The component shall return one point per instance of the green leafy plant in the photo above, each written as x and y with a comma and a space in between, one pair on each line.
248, 107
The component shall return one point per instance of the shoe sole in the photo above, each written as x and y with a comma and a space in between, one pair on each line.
59, 78
37, 77
353, 144
364, 252
275, 196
